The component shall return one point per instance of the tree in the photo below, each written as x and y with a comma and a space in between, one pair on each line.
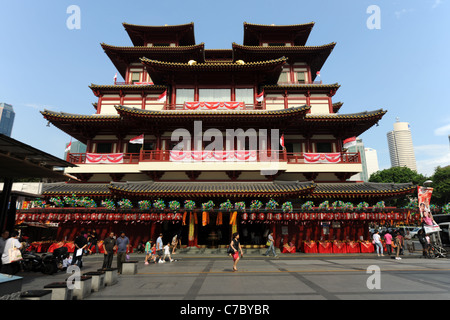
398, 175
441, 185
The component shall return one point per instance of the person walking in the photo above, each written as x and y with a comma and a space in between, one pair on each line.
93, 243
235, 246
398, 244
377, 243
148, 250
174, 243
80, 245
159, 248
388, 239
8, 266
122, 245
423, 241
271, 248
167, 252
108, 250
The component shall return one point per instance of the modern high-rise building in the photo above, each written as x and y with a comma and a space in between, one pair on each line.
7, 115
369, 161
401, 149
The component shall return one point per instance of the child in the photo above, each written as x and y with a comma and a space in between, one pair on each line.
153, 253
148, 250
167, 252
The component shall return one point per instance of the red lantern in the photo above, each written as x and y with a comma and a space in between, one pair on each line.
269, 216
153, 216
296, 216
169, 216
244, 216
178, 216
278, 216
362, 216
286, 216
162, 217
261, 216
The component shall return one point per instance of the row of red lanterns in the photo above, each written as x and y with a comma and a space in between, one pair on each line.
324, 216
36, 217
55, 217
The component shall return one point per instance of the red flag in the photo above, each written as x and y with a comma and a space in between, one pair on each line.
138, 139
260, 97
163, 97
282, 140
350, 142
69, 146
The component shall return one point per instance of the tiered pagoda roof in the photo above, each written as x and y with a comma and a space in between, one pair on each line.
163, 72
297, 33
140, 34
82, 127
122, 57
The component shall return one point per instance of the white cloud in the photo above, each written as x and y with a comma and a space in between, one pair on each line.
431, 156
436, 4
442, 131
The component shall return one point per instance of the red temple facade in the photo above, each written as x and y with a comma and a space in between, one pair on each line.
249, 134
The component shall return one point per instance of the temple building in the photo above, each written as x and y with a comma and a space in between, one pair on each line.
205, 142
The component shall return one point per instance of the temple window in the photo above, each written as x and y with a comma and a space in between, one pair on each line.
284, 77
324, 147
184, 95
244, 95
104, 147
301, 77
135, 77
214, 95
136, 148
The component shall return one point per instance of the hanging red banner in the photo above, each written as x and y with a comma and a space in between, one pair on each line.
322, 157
200, 105
104, 158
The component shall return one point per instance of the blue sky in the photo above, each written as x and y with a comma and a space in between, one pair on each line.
402, 67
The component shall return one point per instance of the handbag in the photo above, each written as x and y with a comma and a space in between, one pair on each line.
14, 255
268, 243
229, 250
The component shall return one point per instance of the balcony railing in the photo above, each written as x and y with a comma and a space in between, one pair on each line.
225, 156
242, 107
337, 157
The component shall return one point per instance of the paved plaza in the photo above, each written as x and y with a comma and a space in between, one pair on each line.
290, 277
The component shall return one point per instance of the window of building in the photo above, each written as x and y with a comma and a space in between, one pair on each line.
301, 77
104, 147
184, 95
136, 148
284, 77
244, 95
214, 95
135, 77
324, 147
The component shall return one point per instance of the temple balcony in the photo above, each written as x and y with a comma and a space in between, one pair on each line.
267, 162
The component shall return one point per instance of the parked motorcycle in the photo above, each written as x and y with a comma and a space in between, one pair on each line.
31, 261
